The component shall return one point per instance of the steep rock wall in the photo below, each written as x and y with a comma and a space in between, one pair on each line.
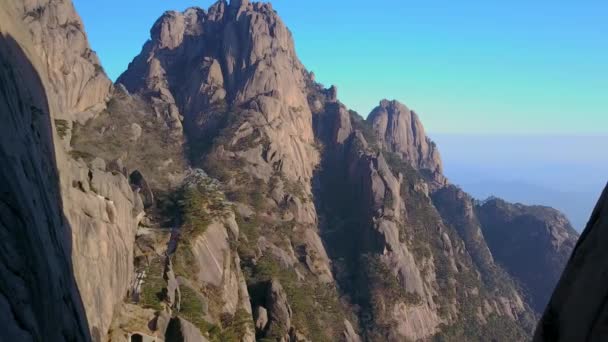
38, 295
100, 208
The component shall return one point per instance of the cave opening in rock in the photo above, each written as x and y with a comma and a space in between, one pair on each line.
137, 338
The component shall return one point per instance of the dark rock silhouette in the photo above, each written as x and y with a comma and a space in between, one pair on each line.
578, 309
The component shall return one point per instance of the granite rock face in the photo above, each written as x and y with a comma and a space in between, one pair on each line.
100, 209
245, 60
181, 330
577, 308
228, 82
75, 75
412, 267
400, 131
104, 214
39, 299
279, 311
458, 208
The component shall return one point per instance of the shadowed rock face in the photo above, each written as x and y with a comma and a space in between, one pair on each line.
99, 207
578, 307
38, 295
532, 243
394, 249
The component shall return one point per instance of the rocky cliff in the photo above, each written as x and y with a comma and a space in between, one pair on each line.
99, 209
526, 239
217, 192
244, 117
410, 268
39, 298
577, 309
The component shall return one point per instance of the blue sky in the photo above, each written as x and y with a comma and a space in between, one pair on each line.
517, 67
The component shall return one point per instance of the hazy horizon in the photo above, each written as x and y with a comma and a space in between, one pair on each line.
562, 171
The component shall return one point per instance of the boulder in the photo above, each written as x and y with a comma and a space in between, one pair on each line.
136, 131
350, 335
117, 166
181, 330
261, 318
98, 164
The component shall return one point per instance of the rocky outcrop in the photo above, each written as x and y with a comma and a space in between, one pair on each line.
261, 319
279, 312
458, 208
349, 333
219, 265
400, 131
513, 246
76, 78
532, 243
104, 213
577, 308
181, 330
399, 238
247, 61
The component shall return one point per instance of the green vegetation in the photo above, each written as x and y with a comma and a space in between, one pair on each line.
470, 329
359, 123
223, 124
420, 232
244, 187
194, 206
235, 326
183, 261
152, 294
62, 127
232, 327
250, 232
380, 277
296, 189
192, 308
156, 153
317, 311
195, 215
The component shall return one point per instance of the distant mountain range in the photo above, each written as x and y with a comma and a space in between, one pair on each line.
561, 171
576, 205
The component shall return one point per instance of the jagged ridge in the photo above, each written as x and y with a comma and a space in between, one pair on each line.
323, 226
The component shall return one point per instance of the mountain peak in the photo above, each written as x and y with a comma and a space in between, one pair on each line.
400, 131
